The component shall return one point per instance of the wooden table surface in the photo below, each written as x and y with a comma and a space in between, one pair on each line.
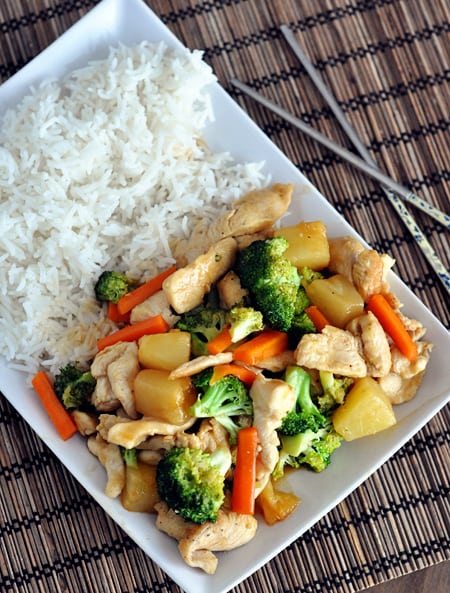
434, 579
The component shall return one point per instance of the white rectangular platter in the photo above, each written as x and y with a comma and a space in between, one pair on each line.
131, 21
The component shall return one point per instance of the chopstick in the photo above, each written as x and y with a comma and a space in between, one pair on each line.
366, 164
405, 193
345, 154
393, 198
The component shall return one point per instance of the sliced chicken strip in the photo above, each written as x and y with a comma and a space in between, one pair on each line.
407, 369
121, 374
103, 398
365, 268
186, 287
115, 369
413, 326
375, 344
344, 252
198, 542
208, 438
111, 458
157, 304
200, 363
255, 212
272, 400
278, 363
244, 241
370, 272
170, 522
230, 290
106, 421
335, 350
399, 389
130, 434
86, 423
405, 376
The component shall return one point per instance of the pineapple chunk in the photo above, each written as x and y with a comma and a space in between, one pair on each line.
308, 244
336, 298
163, 399
365, 411
276, 504
140, 493
165, 351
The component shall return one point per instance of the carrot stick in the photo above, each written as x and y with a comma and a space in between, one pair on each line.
243, 492
220, 343
114, 315
393, 325
129, 333
58, 414
143, 292
241, 372
268, 343
317, 317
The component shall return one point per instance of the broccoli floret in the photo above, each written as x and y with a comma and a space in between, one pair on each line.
202, 379
305, 415
77, 395
307, 275
74, 387
318, 456
203, 323
307, 435
66, 375
301, 301
301, 324
111, 286
291, 448
334, 391
225, 400
310, 449
244, 321
192, 483
284, 462
271, 279
129, 456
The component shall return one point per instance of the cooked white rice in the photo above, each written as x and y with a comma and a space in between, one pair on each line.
104, 170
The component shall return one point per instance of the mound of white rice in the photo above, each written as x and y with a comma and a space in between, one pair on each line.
104, 170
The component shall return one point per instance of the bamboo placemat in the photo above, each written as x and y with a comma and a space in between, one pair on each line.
387, 63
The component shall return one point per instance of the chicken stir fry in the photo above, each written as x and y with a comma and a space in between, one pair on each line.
254, 213
263, 351
115, 370
272, 400
334, 350
198, 542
